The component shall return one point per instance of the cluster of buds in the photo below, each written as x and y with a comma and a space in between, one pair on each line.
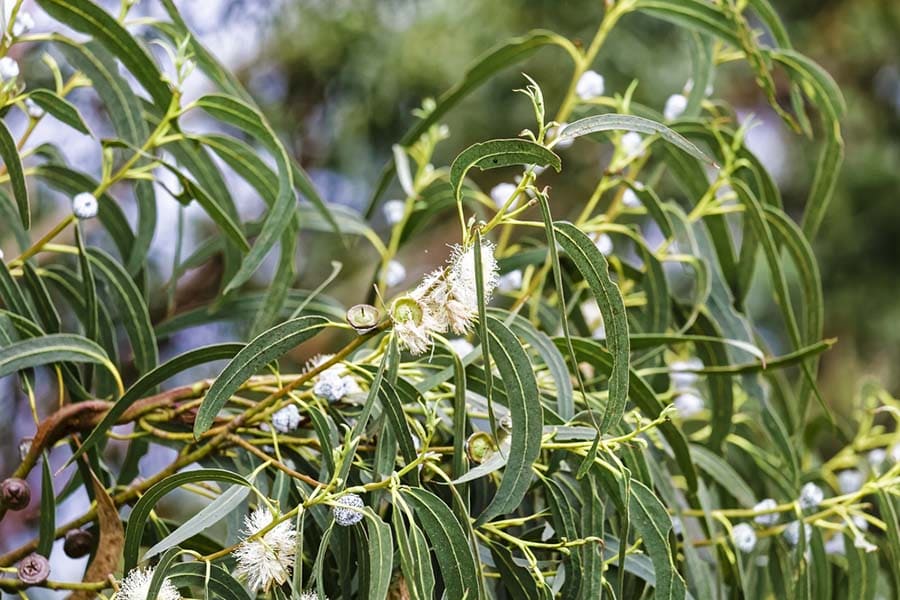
446, 300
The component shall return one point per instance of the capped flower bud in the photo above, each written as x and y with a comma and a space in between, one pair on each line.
348, 510
630, 199
877, 457
363, 317
34, 111
835, 545
136, 586
631, 144
553, 134
393, 211
395, 273
78, 543
604, 244
461, 346
287, 419
688, 404
792, 532
84, 206
15, 493
502, 192
267, 559
744, 537
9, 68
769, 518
850, 480
510, 282
590, 85
23, 24
675, 107
33, 569
811, 496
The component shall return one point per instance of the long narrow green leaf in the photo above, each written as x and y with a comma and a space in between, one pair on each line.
10, 155
499, 153
60, 108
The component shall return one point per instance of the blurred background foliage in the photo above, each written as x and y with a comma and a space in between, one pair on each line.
341, 78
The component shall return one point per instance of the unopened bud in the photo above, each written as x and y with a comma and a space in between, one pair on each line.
33, 569
78, 543
15, 493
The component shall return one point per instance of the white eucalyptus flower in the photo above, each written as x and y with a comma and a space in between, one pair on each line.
84, 205
34, 111
895, 452
860, 523
744, 537
268, 559
136, 585
631, 144
590, 85
349, 510
393, 211
689, 86
767, 519
501, 192
287, 419
604, 244
311, 594
676, 104
835, 545
630, 199
9, 68
413, 324
510, 282
681, 372
688, 404
23, 24
332, 384
850, 480
811, 496
792, 532
395, 273
461, 346
677, 525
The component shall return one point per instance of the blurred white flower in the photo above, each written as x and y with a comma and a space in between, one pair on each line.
877, 457
604, 244
413, 324
393, 211
792, 532
269, 558
835, 545
348, 510
310, 595
850, 480
631, 144
590, 85
84, 205
333, 384
501, 192
287, 419
510, 282
769, 518
677, 526
676, 104
593, 318
811, 496
395, 273
9, 68
860, 541
744, 537
681, 372
895, 452
136, 585
630, 199
689, 86
688, 404
461, 346
23, 24
34, 111
860, 523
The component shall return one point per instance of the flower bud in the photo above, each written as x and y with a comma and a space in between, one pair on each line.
78, 543
15, 493
84, 205
348, 510
33, 569
478, 446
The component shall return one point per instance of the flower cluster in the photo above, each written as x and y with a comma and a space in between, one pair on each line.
287, 419
333, 383
446, 300
137, 584
268, 558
